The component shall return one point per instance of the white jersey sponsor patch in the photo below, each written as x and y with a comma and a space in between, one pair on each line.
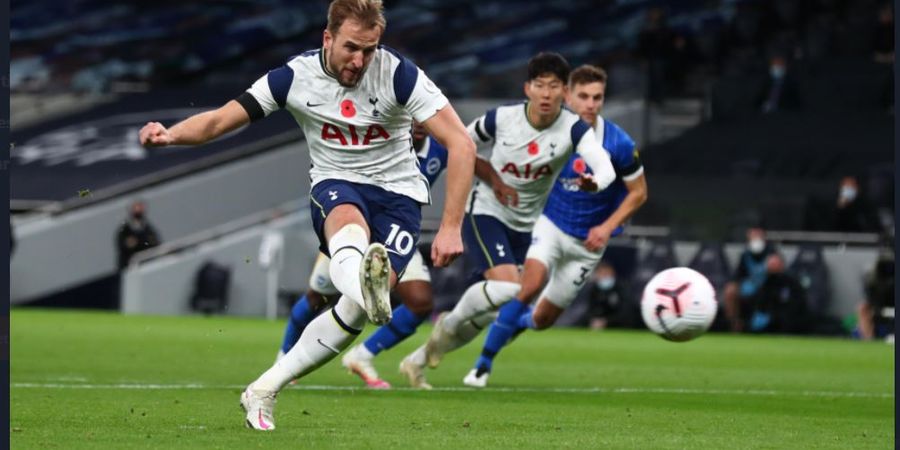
359, 134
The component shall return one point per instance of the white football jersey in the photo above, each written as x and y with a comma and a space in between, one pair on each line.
359, 134
528, 160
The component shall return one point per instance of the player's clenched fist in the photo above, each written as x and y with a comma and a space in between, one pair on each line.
154, 134
447, 246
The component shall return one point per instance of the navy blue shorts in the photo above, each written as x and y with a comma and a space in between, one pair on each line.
490, 243
394, 220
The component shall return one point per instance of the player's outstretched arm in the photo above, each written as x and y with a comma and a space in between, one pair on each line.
599, 235
593, 153
448, 129
197, 129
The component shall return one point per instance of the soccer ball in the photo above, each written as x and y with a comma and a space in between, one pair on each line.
679, 304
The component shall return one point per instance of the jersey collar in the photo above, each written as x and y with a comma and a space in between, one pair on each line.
325, 66
528, 119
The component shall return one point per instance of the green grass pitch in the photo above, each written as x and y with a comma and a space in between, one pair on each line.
102, 380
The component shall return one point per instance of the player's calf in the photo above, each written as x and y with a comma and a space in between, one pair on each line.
545, 314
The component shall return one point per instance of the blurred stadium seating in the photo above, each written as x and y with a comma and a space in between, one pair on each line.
86, 74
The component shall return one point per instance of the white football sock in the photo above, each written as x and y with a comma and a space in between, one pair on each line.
418, 356
323, 339
347, 247
470, 329
361, 352
464, 333
480, 298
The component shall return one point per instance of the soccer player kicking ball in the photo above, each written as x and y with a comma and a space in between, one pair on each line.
355, 101
572, 233
413, 289
532, 143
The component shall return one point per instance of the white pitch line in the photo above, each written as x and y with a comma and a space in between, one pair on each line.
596, 390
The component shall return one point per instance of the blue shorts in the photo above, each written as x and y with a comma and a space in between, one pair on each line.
488, 242
394, 220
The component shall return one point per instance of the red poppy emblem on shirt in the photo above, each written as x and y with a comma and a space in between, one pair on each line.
533, 148
348, 109
579, 166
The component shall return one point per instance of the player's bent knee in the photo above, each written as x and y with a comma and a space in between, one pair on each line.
316, 300
420, 307
346, 220
502, 273
419, 303
352, 232
416, 296
499, 292
529, 291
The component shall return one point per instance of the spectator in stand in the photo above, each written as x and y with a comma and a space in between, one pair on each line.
780, 91
853, 212
883, 39
779, 306
655, 46
748, 279
609, 299
876, 312
135, 234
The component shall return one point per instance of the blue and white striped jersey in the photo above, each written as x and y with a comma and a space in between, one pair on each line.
432, 159
528, 159
574, 211
362, 133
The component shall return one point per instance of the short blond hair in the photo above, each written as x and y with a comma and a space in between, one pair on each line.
369, 13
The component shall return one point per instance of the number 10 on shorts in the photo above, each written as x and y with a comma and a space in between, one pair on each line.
401, 241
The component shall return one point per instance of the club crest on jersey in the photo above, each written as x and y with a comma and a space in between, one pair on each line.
351, 136
527, 171
433, 166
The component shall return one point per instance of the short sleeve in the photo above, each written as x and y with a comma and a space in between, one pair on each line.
414, 90
271, 90
426, 99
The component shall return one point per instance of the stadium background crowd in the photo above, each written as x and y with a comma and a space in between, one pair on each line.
766, 76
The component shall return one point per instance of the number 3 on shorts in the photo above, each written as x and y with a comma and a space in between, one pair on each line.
581, 279
401, 241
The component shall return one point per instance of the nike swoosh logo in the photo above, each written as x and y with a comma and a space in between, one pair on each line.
328, 346
262, 423
313, 105
508, 144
